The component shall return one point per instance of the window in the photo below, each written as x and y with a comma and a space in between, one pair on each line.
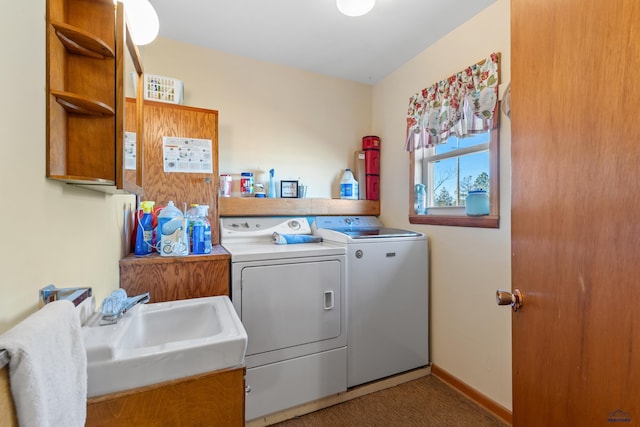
454, 168
452, 137
449, 171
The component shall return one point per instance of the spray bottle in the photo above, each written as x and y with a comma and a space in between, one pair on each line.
272, 185
144, 233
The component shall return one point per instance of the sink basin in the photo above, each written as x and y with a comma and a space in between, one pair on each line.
163, 341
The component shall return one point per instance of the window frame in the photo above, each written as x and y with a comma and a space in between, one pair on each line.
486, 221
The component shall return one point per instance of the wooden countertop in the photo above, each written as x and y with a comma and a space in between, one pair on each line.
218, 253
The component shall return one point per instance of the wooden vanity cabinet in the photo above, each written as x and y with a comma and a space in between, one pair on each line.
86, 50
210, 399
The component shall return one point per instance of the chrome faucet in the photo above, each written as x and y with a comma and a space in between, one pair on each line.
51, 293
127, 304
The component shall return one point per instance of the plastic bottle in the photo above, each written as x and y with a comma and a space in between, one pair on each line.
348, 186
272, 184
192, 216
246, 184
420, 199
202, 231
172, 232
144, 233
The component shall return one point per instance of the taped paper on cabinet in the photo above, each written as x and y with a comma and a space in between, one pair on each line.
187, 155
130, 150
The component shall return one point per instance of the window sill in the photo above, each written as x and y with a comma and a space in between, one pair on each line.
486, 221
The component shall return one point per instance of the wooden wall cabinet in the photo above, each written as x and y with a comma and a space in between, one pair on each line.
193, 276
86, 49
170, 120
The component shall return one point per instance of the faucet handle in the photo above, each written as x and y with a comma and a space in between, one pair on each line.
75, 295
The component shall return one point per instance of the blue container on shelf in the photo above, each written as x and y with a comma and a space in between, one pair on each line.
477, 203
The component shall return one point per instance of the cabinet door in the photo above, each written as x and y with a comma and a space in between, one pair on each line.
129, 121
169, 120
210, 399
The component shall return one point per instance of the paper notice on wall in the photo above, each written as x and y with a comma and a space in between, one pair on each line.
130, 150
187, 155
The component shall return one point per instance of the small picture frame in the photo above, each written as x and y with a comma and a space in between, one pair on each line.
289, 189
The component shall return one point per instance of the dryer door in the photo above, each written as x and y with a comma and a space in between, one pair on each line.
287, 305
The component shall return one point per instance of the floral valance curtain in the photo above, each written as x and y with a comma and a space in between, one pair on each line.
462, 104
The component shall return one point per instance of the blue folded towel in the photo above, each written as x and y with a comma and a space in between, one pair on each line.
288, 239
112, 304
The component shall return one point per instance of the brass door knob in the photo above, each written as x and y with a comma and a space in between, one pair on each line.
514, 299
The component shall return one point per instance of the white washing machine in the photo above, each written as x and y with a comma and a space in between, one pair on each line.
387, 298
290, 299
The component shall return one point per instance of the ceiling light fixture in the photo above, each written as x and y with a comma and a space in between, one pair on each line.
143, 21
355, 7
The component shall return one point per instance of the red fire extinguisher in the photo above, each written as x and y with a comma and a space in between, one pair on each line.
371, 147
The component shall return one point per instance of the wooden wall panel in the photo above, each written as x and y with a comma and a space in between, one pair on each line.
176, 278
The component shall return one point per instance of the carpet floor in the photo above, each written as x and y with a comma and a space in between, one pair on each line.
426, 401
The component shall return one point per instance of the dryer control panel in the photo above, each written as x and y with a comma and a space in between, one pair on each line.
247, 229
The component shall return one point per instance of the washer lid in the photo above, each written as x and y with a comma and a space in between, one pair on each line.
346, 229
379, 233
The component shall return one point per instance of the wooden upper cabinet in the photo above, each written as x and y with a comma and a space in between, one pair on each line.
84, 82
192, 276
170, 120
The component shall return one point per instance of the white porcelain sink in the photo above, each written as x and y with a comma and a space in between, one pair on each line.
164, 341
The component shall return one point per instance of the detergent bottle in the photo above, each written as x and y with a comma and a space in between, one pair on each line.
144, 233
348, 186
173, 233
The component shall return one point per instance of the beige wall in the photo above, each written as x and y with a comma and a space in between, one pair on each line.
304, 125
470, 335
51, 233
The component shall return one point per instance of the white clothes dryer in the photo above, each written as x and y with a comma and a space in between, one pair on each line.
387, 298
290, 299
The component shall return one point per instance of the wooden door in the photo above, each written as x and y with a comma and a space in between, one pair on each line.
575, 202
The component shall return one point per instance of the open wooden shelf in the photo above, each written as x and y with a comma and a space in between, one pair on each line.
87, 48
252, 206
81, 42
78, 104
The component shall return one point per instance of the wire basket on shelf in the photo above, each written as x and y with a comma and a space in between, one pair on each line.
161, 88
